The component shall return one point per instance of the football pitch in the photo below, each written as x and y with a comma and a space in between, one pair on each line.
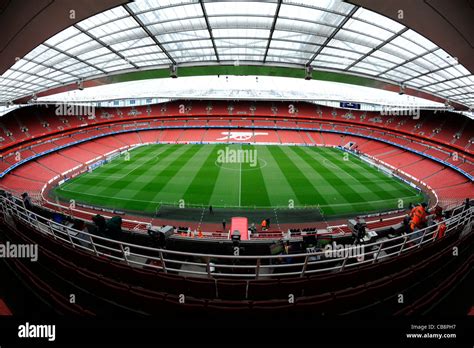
239, 176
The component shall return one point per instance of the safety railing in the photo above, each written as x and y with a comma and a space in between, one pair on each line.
334, 258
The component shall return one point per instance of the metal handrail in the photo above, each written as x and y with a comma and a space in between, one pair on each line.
133, 254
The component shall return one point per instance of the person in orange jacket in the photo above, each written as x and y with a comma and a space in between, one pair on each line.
418, 219
418, 216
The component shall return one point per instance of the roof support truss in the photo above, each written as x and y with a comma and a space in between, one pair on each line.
407, 61
206, 18
394, 36
105, 45
334, 32
272, 29
146, 30
74, 57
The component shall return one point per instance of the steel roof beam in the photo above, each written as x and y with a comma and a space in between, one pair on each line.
74, 57
438, 82
407, 61
430, 72
206, 18
146, 30
99, 41
272, 29
334, 32
451, 89
394, 36
21, 81
35, 75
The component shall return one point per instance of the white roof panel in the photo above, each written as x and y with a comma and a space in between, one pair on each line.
327, 34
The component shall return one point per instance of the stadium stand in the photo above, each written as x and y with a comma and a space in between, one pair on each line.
409, 162
383, 151
133, 291
146, 200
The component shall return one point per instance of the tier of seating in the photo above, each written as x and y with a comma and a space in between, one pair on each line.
102, 285
459, 159
455, 133
445, 180
33, 175
410, 163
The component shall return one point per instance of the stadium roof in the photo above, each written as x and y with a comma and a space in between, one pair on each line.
240, 88
329, 35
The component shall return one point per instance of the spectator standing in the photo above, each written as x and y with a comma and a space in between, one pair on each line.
114, 227
418, 221
467, 204
26, 201
100, 224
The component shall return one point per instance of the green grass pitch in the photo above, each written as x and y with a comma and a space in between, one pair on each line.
281, 176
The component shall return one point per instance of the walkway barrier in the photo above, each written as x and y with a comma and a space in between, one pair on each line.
334, 258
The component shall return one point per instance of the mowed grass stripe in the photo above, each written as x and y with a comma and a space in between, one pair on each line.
278, 187
365, 174
141, 152
112, 197
175, 188
254, 190
131, 173
107, 185
337, 174
226, 184
159, 180
203, 184
304, 190
389, 192
393, 187
135, 182
114, 170
140, 198
112, 203
284, 174
346, 193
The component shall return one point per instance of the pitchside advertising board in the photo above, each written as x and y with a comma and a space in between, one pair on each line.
113, 156
96, 165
